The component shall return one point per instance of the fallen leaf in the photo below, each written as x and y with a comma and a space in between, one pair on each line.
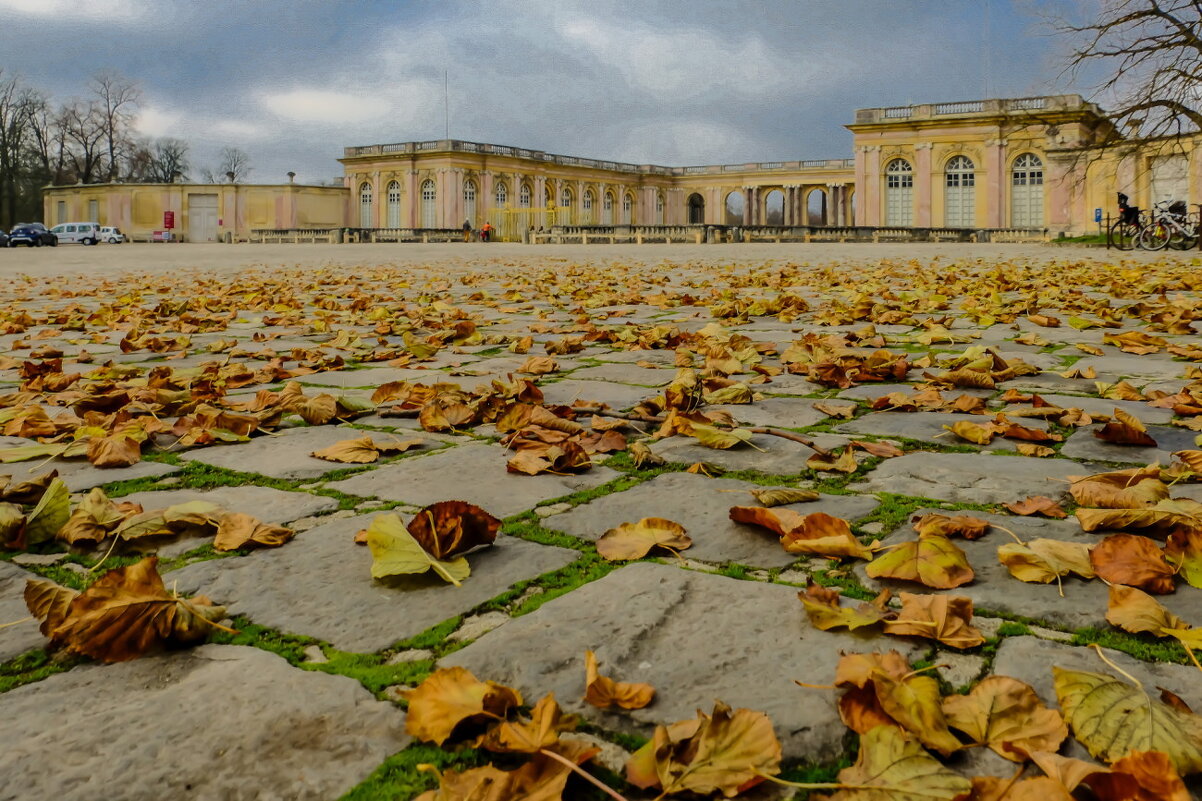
636, 540
779, 496
450, 528
726, 752
1038, 505
1183, 550
825, 612
1037, 451
350, 451
125, 613
1120, 489
48, 602
237, 530
451, 696
966, 526
894, 767
981, 434
933, 561
395, 552
1112, 718
1006, 715
528, 737
538, 365
1125, 429
603, 692
1044, 560
721, 439
844, 411
1133, 560
945, 618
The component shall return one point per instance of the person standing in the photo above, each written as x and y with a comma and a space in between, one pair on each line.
486, 232
467, 230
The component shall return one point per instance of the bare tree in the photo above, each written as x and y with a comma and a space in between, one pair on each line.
231, 160
116, 103
14, 130
1152, 53
48, 143
84, 132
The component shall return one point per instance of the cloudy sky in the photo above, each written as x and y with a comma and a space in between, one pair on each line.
292, 82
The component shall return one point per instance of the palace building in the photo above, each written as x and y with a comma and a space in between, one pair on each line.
1036, 166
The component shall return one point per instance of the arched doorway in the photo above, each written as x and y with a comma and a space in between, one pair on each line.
429, 205
899, 193
816, 207
959, 199
734, 208
366, 213
774, 208
1026, 191
394, 204
696, 209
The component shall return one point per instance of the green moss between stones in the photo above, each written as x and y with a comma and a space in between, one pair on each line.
399, 778
33, 666
1142, 647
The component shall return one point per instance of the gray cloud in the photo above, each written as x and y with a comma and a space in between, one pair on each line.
661, 82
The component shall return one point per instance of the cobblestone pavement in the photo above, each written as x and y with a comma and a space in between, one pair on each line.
303, 702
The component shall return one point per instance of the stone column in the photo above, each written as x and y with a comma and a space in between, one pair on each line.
484, 201
925, 215
411, 199
538, 202
988, 193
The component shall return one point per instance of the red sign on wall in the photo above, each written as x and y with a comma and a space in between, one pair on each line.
169, 219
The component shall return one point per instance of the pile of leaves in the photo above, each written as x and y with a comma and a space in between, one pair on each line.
39, 511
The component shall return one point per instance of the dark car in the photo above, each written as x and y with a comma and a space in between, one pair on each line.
31, 234
3, 240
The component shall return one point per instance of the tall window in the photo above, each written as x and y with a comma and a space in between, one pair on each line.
959, 199
899, 193
1026, 192
627, 209
607, 209
469, 201
565, 198
93, 210
429, 204
586, 207
394, 205
659, 208
524, 196
501, 196
366, 218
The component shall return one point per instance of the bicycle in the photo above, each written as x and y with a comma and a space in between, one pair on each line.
1170, 227
1124, 232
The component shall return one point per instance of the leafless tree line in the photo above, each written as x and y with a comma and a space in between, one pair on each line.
90, 139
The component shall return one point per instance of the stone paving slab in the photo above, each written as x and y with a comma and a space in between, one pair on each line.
80, 475
971, 477
871, 392
1031, 659
1050, 383
1084, 445
320, 585
994, 589
776, 455
1101, 406
667, 358
16, 640
627, 374
1149, 366
695, 637
929, 427
285, 454
702, 506
267, 504
214, 722
777, 412
618, 396
474, 473
368, 377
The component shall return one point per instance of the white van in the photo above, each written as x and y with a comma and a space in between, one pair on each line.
111, 234
84, 233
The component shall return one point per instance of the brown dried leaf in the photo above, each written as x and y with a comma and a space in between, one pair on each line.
603, 692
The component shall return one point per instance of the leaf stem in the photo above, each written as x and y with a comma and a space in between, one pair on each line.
1103, 657
602, 786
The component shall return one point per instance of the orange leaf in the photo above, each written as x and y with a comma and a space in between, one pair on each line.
603, 692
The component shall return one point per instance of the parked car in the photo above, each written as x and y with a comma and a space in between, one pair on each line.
83, 233
111, 234
3, 239
31, 234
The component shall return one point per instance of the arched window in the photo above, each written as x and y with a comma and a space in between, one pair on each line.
607, 209
524, 196
696, 209
500, 196
735, 204
366, 217
394, 205
899, 193
659, 208
627, 209
586, 207
469, 201
548, 195
1026, 192
959, 199
565, 198
429, 204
